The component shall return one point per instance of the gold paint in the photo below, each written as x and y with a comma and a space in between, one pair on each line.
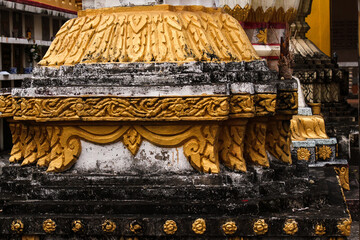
238, 12
160, 33
49, 226
343, 173
336, 238
255, 140
170, 227
278, 139
242, 105
8, 106
307, 127
259, 15
280, 16
77, 226
324, 152
30, 237
108, 226
197, 108
135, 227
344, 227
231, 146
287, 102
320, 229
229, 228
199, 226
17, 226
303, 154
262, 36
132, 140
290, 227
265, 104
260, 227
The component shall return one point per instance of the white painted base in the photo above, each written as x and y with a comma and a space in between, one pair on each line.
116, 158
116, 3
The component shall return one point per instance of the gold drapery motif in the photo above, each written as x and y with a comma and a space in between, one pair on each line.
307, 127
278, 139
161, 33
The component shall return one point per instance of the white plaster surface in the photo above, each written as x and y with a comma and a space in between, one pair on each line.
116, 158
115, 3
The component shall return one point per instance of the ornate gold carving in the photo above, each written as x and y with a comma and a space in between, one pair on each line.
262, 36
49, 226
159, 33
307, 127
30, 237
242, 105
132, 140
343, 173
199, 226
303, 154
232, 146
320, 229
265, 104
17, 226
260, 227
229, 228
290, 227
280, 15
344, 227
287, 102
77, 226
135, 227
324, 152
170, 227
108, 226
255, 137
278, 139
8, 106
123, 109
238, 12
259, 15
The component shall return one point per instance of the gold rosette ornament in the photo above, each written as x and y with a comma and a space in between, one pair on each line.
229, 228
108, 226
77, 226
345, 227
325, 152
303, 154
135, 227
170, 227
260, 227
17, 226
291, 226
49, 226
320, 229
199, 226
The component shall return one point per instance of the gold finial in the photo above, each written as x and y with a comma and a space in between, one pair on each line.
77, 226
260, 227
17, 226
199, 226
345, 226
229, 228
108, 226
49, 226
320, 229
170, 227
303, 154
291, 226
135, 227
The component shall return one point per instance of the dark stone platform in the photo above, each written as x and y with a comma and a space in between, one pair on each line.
275, 194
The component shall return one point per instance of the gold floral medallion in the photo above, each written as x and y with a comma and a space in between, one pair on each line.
324, 152
49, 226
229, 228
291, 226
77, 226
260, 227
170, 227
303, 154
108, 226
320, 229
199, 226
345, 227
135, 227
17, 226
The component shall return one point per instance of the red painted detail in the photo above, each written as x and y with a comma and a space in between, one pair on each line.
277, 25
43, 5
255, 25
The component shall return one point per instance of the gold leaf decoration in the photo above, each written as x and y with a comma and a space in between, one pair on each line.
278, 139
344, 227
77, 226
324, 152
160, 33
132, 140
343, 173
49, 226
108, 226
290, 227
307, 127
262, 36
170, 227
303, 154
260, 227
229, 228
199, 226
17, 226
320, 229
